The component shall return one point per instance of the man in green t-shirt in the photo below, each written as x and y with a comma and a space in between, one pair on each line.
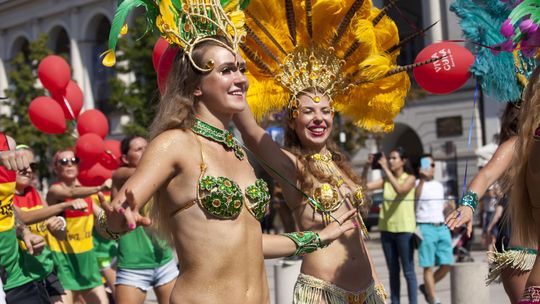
144, 261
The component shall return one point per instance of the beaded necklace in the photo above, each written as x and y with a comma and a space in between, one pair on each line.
221, 136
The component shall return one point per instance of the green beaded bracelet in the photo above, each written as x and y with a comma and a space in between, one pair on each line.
470, 199
306, 241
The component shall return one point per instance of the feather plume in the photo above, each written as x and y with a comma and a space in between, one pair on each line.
346, 21
346, 46
262, 46
291, 22
480, 23
266, 32
384, 11
410, 38
309, 19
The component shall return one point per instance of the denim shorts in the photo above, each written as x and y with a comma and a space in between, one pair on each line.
436, 247
145, 279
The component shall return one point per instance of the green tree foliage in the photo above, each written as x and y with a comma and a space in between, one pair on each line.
138, 99
24, 87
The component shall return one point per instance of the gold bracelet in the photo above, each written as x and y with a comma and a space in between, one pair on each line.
102, 223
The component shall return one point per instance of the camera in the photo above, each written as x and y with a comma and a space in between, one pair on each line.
375, 164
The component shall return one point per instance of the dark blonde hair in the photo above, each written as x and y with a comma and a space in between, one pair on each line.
524, 228
177, 111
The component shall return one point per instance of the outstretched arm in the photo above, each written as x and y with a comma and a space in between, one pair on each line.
38, 215
159, 163
493, 170
59, 193
276, 246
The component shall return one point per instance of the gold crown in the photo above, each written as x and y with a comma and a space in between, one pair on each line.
185, 23
311, 67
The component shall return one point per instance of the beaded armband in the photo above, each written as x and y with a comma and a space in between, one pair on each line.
306, 241
470, 199
107, 232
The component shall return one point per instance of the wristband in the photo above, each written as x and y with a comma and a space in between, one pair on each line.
306, 242
64, 223
470, 199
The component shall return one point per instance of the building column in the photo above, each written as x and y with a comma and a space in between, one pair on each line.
3, 56
431, 13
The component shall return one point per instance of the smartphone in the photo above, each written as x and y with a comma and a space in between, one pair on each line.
375, 164
425, 164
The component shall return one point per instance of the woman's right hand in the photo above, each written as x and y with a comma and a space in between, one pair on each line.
461, 216
123, 215
78, 204
337, 228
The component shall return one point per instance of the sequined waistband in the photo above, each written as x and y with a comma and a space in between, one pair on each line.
351, 296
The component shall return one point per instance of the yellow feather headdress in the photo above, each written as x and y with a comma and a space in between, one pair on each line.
184, 23
345, 49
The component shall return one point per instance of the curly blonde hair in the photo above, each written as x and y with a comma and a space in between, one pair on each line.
524, 228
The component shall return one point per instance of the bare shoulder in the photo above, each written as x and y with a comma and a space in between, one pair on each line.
176, 144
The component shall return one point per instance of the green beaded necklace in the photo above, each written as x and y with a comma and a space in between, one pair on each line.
221, 136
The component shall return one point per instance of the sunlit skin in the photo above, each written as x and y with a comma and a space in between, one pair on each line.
222, 260
342, 261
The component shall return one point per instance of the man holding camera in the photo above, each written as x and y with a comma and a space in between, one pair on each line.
436, 246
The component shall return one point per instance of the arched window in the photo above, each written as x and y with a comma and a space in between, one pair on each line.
59, 42
100, 74
20, 46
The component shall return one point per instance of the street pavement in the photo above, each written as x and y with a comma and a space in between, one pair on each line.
443, 288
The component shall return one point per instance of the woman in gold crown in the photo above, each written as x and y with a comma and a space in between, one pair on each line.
206, 193
326, 56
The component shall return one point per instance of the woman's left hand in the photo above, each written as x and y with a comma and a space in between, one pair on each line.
122, 217
383, 161
461, 216
337, 228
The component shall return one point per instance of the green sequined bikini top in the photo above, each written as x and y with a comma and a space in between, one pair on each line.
223, 198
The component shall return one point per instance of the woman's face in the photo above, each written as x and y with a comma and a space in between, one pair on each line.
66, 166
135, 152
25, 177
224, 89
313, 124
395, 161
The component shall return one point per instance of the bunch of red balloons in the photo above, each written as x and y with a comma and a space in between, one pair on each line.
98, 156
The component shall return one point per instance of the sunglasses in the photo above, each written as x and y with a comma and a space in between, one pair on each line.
33, 166
65, 161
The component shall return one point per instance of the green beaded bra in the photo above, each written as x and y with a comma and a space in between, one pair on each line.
220, 196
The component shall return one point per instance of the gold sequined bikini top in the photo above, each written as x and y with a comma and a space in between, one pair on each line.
223, 198
327, 194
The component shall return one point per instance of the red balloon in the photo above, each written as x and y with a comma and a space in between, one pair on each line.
447, 74
71, 100
54, 73
46, 115
89, 147
94, 176
93, 121
110, 158
164, 67
159, 48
